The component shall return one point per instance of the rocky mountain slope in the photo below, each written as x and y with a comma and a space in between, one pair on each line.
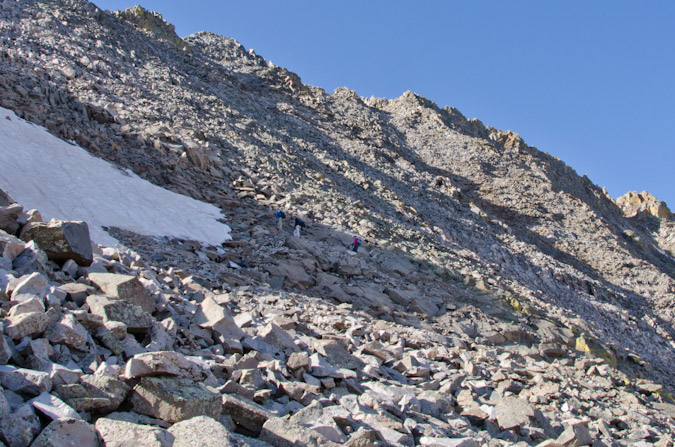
499, 298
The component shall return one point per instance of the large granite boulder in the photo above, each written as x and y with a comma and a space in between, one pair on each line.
174, 399
61, 240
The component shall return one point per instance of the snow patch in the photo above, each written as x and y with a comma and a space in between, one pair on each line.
65, 182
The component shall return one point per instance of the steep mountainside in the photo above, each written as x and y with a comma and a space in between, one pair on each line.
469, 233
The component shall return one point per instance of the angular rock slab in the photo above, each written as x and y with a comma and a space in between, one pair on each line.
106, 387
125, 287
27, 324
67, 432
9, 215
19, 428
31, 259
338, 354
125, 434
115, 309
5, 351
212, 315
53, 407
77, 292
244, 412
21, 380
175, 399
61, 240
275, 336
448, 442
512, 413
34, 283
576, 433
67, 331
27, 306
200, 431
166, 363
281, 433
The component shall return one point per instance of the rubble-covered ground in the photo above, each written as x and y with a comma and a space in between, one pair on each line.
498, 298
171, 341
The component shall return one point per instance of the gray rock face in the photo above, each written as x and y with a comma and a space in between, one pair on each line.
77, 292
61, 240
513, 413
449, 442
9, 214
174, 399
25, 380
278, 338
19, 428
31, 260
27, 304
282, 433
113, 390
201, 430
576, 433
53, 407
162, 363
115, 309
125, 287
121, 434
25, 324
212, 315
67, 432
338, 354
33, 283
10, 246
5, 351
67, 331
245, 413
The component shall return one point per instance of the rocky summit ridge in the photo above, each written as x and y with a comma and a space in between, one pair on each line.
498, 298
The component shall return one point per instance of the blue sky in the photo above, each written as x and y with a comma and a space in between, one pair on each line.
588, 82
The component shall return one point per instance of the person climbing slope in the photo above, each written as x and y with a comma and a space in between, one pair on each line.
280, 215
298, 223
355, 244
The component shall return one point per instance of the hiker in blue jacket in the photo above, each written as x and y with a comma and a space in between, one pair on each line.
298, 223
280, 215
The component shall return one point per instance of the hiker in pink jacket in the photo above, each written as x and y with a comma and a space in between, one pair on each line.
355, 244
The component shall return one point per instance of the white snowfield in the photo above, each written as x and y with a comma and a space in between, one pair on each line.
63, 181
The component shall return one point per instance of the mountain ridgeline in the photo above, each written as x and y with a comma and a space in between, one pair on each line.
498, 256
